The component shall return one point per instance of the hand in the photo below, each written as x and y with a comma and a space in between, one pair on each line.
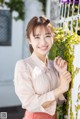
60, 65
65, 79
47, 104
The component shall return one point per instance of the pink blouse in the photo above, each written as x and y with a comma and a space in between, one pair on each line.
35, 83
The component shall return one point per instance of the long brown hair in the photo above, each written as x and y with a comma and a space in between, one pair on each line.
33, 23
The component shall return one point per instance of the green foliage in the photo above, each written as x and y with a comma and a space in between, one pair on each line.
77, 106
44, 5
64, 43
15, 5
18, 6
1, 1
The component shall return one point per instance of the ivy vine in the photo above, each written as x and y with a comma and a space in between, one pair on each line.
77, 107
15, 5
64, 44
18, 6
44, 5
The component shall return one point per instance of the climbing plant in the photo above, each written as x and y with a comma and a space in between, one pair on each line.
64, 44
44, 5
14, 5
18, 6
77, 106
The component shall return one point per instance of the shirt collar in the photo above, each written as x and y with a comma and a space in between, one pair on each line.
42, 65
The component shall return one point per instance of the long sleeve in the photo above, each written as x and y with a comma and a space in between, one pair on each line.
25, 90
61, 98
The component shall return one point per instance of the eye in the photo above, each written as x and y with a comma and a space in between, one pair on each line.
48, 36
37, 37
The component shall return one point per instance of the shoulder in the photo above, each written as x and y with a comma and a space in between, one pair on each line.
22, 64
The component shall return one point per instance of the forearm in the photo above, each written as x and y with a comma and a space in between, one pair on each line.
57, 94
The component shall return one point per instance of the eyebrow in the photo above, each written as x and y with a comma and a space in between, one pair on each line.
48, 34
44, 34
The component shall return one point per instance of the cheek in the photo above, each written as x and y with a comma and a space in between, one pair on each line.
34, 44
32, 41
51, 42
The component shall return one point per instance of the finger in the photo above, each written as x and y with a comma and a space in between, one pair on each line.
67, 74
56, 60
59, 61
63, 63
64, 73
69, 80
67, 77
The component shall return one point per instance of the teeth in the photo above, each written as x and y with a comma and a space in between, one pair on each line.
44, 47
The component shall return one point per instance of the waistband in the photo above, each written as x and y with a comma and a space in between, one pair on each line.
38, 115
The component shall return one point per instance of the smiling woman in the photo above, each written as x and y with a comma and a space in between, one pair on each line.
40, 82
34, 33
42, 40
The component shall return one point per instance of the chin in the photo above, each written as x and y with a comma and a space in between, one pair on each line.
43, 53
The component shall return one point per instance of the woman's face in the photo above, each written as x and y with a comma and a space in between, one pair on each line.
42, 40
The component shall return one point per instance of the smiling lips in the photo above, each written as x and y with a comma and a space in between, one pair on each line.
43, 47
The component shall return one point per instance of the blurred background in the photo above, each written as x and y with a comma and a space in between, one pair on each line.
14, 16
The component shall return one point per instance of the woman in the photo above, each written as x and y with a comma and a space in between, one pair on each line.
39, 82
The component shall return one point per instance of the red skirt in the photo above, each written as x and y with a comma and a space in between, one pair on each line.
38, 115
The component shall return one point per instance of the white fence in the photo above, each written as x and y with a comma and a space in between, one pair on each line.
68, 15
64, 12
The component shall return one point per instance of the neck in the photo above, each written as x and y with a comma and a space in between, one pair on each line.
41, 57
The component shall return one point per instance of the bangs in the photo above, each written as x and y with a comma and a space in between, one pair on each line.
40, 22
41, 27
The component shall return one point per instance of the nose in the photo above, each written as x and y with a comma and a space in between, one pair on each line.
43, 41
